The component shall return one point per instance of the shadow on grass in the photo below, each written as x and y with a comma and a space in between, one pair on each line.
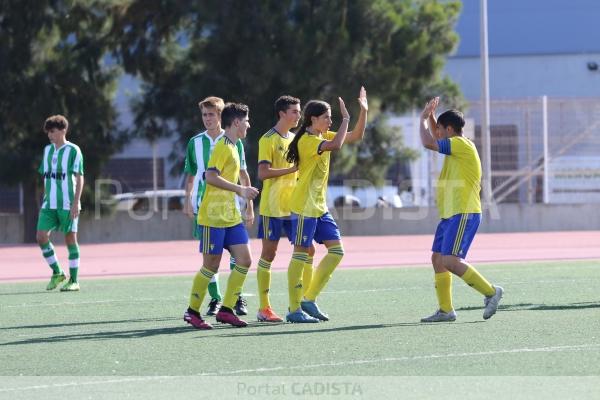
538, 307
60, 325
232, 332
41, 291
317, 328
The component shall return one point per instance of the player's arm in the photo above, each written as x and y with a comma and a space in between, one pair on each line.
426, 129
187, 201
213, 178
77, 197
190, 169
266, 172
249, 213
359, 129
338, 140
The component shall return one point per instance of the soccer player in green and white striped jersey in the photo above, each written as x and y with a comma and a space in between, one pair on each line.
62, 171
198, 152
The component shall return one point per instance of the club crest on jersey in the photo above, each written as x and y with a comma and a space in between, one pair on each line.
54, 160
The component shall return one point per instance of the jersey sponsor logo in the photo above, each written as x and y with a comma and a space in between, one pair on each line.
57, 176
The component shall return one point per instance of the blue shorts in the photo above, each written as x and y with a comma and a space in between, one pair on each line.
272, 228
214, 240
454, 235
319, 229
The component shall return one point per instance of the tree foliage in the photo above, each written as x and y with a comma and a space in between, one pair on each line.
255, 51
65, 56
52, 61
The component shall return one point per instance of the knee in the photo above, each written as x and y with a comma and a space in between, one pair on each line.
436, 260
337, 250
448, 262
311, 251
42, 237
244, 261
71, 238
268, 254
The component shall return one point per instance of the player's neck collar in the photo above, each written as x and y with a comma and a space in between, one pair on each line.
287, 134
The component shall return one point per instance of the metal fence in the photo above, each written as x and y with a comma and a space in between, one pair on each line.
544, 149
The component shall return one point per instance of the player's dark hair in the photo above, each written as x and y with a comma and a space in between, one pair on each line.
314, 108
56, 121
452, 118
284, 102
233, 111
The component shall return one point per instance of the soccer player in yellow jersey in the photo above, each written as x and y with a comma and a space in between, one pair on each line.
459, 206
198, 153
310, 150
279, 179
220, 221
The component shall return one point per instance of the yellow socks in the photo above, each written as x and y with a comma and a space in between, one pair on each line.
234, 285
307, 274
199, 288
263, 276
294, 279
324, 271
443, 290
474, 279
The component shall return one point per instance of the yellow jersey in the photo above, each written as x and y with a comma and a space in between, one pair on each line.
276, 192
309, 198
218, 208
459, 183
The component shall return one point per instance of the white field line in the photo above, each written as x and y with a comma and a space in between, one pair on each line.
552, 349
396, 289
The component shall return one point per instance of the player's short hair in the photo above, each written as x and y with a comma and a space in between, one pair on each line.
56, 121
233, 111
452, 118
283, 103
212, 102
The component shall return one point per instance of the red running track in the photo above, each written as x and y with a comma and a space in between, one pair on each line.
25, 262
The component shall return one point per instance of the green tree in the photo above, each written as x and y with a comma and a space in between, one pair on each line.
255, 51
52, 61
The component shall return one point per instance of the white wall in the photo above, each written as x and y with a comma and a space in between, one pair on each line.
560, 75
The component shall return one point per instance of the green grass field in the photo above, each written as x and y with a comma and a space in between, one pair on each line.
547, 325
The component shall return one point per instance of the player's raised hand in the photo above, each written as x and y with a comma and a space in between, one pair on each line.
362, 99
248, 192
343, 109
430, 107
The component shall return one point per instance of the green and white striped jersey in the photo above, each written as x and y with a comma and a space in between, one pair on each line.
58, 168
199, 149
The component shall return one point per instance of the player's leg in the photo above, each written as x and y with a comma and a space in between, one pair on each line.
213, 286
442, 278
69, 227
211, 247
463, 232
303, 230
269, 230
327, 233
236, 241
307, 272
47, 221
73, 247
